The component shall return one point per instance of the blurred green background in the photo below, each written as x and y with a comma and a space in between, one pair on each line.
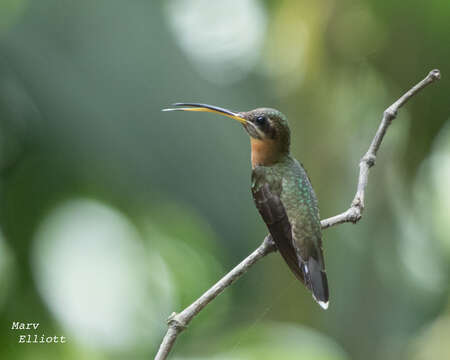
113, 214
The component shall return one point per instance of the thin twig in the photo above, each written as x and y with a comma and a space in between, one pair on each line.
179, 322
354, 213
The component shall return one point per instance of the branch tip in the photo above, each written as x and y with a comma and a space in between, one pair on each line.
435, 74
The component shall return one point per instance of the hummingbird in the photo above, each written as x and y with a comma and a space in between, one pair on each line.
282, 193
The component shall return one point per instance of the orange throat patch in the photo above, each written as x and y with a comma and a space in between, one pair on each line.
264, 152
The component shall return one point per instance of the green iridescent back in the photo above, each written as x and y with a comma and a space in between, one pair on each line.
291, 183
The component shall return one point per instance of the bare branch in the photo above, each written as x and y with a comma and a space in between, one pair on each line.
354, 213
179, 322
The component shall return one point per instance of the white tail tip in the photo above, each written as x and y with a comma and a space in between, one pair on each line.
324, 305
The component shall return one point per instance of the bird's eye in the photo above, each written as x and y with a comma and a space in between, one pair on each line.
261, 120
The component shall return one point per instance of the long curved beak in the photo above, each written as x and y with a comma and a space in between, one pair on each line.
206, 108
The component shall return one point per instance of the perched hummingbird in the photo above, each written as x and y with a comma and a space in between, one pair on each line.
282, 193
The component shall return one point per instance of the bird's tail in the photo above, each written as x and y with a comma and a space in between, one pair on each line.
316, 280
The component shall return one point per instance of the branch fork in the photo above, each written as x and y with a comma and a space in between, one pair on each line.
179, 322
